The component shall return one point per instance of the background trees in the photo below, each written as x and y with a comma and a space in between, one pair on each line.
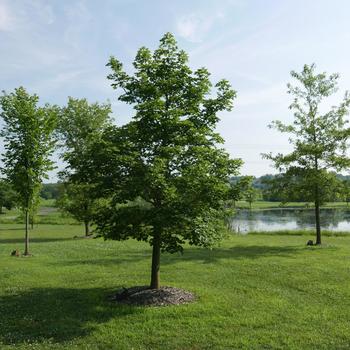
77, 200
28, 143
165, 170
239, 187
80, 125
8, 197
319, 139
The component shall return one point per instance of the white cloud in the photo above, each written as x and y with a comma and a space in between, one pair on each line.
194, 27
6, 20
188, 28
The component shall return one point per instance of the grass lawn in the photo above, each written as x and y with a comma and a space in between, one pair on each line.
266, 205
254, 292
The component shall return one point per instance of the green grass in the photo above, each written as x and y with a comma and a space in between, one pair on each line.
254, 292
325, 233
266, 205
48, 213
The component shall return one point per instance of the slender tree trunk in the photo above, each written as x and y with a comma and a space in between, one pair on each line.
87, 228
317, 215
155, 278
32, 223
26, 248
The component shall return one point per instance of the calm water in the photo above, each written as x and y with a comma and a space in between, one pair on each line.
289, 219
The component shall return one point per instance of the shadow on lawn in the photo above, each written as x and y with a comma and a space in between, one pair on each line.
20, 229
125, 257
237, 252
206, 256
56, 314
33, 240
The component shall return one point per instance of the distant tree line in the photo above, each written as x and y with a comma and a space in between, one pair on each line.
274, 188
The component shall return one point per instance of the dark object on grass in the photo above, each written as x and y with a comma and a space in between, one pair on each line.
143, 295
310, 242
15, 253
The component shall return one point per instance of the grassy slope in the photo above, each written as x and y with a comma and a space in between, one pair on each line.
255, 292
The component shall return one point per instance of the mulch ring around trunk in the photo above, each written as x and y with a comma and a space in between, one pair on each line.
143, 295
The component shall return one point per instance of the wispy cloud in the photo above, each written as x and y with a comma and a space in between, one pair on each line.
194, 27
79, 19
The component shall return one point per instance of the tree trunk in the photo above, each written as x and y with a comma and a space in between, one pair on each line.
87, 228
317, 216
26, 248
155, 278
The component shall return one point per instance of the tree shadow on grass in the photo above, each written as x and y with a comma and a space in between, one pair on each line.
209, 256
202, 255
123, 257
12, 229
56, 314
20, 240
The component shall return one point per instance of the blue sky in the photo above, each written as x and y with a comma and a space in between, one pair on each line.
59, 48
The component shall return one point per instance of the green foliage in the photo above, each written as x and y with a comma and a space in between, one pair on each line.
76, 200
251, 195
28, 142
80, 125
345, 191
319, 140
8, 197
50, 191
168, 155
239, 186
292, 187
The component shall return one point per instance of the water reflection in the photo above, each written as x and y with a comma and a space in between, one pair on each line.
289, 219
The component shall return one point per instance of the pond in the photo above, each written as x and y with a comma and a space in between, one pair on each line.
245, 221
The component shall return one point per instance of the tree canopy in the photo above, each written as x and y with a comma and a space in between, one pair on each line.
165, 171
318, 139
27, 134
80, 125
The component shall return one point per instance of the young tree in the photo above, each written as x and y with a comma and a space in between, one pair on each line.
345, 191
77, 201
165, 170
80, 125
239, 188
34, 211
251, 194
319, 139
28, 142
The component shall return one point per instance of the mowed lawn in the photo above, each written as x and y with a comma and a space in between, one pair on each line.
254, 292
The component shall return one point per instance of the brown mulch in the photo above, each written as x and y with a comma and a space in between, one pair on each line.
143, 295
